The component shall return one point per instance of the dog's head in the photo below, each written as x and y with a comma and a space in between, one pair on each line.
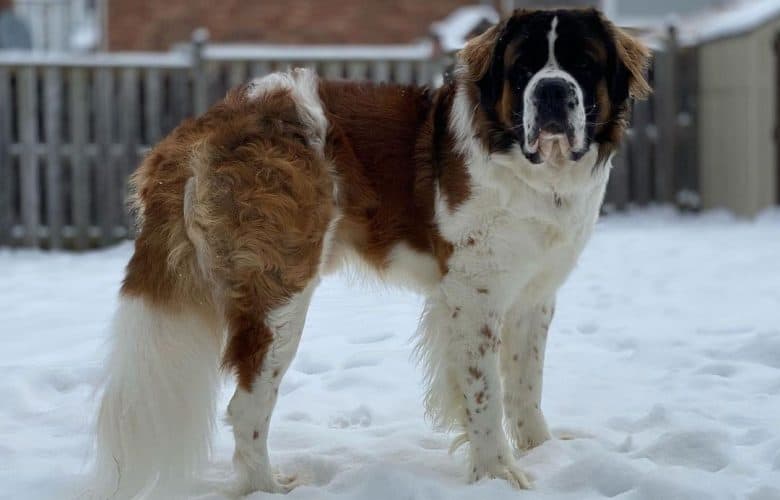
554, 83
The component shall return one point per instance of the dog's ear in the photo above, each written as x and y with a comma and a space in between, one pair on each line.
476, 57
630, 66
634, 58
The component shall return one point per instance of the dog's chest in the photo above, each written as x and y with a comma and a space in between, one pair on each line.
522, 244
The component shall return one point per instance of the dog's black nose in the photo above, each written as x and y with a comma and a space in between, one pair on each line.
552, 91
552, 97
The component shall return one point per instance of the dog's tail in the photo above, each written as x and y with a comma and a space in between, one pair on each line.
157, 411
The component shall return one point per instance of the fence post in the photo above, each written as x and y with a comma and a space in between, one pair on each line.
666, 117
777, 118
29, 174
617, 193
78, 119
199, 77
52, 127
640, 154
6, 220
106, 170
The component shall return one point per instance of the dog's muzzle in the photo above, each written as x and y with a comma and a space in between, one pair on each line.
551, 134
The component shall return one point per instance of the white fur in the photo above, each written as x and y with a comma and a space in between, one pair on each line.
412, 269
577, 118
250, 412
404, 267
157, 411
522, 362
303, 85
329, 255
515, 240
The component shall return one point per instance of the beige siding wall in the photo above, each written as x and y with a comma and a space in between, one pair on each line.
736, 122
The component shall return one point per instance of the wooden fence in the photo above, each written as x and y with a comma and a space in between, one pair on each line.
72, 128
658, 160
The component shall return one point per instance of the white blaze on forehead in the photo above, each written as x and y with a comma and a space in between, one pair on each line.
551, 37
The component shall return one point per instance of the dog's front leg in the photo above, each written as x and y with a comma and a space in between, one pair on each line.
524, 338
473, 364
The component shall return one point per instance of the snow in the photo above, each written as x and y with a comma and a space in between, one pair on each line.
663, 365
453, 29
270, 52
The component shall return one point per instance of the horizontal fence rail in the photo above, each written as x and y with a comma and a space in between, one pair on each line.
73, 127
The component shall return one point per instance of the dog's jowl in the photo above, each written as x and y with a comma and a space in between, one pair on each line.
480, 194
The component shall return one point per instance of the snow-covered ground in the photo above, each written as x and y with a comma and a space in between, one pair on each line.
664, 363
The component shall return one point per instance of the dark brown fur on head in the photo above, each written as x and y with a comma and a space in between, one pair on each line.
620, 60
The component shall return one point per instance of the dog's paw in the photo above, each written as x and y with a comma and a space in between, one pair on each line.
529, 430
501, 468
270, 482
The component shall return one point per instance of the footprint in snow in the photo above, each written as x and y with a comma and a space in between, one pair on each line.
363, 359
312, 366
370, 338
724, 370
588, 328
357, 417
708, 451
657, 416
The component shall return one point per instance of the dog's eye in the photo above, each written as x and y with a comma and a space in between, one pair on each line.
523, 71
582, 64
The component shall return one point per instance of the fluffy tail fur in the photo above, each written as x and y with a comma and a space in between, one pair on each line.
157, 411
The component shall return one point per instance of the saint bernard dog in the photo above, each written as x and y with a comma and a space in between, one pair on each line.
479, 194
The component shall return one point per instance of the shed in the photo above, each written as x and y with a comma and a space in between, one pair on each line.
737, 108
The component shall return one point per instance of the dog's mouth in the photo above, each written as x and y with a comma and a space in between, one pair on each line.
552, 146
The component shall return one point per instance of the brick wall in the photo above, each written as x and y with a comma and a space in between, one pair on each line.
157, 24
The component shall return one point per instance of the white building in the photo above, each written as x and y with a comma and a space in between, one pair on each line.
62, 25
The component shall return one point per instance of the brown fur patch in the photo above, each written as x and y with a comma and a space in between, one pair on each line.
636, 56
390, 145
478, 53
261, 205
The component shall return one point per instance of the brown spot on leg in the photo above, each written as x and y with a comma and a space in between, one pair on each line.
483, 291
255, 435
246, 349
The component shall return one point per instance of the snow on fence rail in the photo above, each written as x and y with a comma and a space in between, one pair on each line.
73, 127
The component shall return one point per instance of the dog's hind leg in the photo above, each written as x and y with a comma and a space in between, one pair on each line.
278, 333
